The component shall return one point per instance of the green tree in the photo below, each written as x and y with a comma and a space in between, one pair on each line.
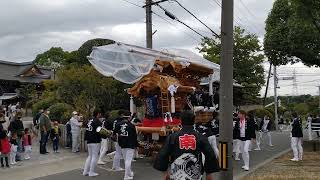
247, 60
301, 109
80, 56
53, 58
86, 89
293, 33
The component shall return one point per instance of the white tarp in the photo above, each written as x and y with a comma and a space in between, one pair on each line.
128, 63
6, 96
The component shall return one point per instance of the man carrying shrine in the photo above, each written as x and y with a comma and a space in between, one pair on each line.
183, 150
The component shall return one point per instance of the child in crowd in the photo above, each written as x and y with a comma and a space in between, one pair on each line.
55, 135
27, 143
4, 148
14, 148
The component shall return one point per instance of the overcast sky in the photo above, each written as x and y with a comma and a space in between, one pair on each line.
30, 27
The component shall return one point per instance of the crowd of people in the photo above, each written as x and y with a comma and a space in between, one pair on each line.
15, 139
187, 144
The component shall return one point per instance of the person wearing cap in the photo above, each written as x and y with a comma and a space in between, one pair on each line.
183, 151
127, 139
93, 139
75, 131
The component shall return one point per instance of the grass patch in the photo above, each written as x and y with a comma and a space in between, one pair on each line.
283, 169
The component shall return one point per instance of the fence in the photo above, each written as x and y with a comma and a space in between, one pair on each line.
83, 144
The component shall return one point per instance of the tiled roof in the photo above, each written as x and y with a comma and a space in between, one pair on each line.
12, 70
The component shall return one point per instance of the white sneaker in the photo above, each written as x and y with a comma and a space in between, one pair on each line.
93, 174
131, 174
257, 149
294, 159
271, 145
27, 158
245, 168
127, 178
237, 159
101, 163
119, 169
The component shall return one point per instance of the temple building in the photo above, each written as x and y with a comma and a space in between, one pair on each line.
15, 74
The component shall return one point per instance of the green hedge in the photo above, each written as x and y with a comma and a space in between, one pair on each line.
61, 112
42, 104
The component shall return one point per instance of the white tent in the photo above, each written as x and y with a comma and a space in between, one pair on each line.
128, 63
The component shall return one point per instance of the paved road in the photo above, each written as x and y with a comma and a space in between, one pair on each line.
144, 171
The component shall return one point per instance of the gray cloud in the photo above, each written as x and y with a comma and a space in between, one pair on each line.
29, 27
33, 26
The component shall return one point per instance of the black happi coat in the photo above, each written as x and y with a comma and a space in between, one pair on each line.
214, 126
250, 130
91, 135
268, 126
127, 134
203, 129
183, 150
297, 128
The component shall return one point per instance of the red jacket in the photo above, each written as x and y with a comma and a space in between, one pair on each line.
5, 146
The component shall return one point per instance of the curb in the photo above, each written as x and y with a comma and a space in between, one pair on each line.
242, 175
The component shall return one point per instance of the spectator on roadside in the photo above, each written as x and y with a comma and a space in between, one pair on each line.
16, 127
75, 131
5, 148
55, 136
45, 128
36, 118
69, 135
27, 143
14, 148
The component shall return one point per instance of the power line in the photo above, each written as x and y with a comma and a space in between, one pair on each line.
197, 18
171, 24
173, 17
132, 3
249, 11
219, 4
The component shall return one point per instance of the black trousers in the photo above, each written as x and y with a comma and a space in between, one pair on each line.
43, 142
6, 159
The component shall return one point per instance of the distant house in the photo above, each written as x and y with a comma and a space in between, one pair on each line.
15, 74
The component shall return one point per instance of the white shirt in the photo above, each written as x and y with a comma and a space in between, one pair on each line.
265, 124
75, 125
243, 128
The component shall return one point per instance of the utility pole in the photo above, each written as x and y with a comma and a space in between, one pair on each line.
275, 96
149, 33
267, 87
319, 96
226, 91
149, 23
